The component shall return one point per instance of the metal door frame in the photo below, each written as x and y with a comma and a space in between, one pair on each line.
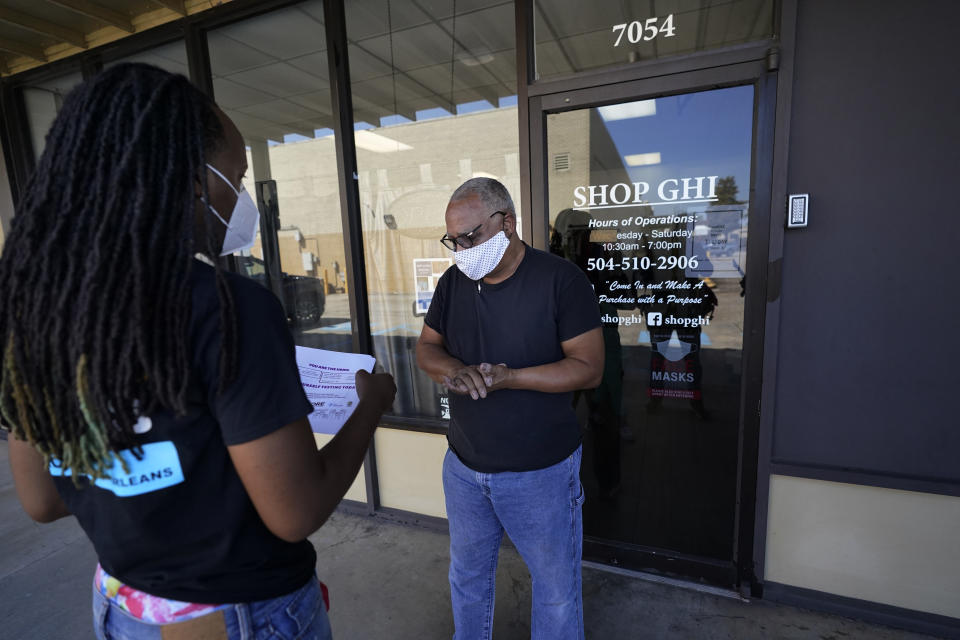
694, 73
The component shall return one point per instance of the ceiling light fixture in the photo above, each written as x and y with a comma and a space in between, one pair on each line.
627, 110
642, 159
377, 143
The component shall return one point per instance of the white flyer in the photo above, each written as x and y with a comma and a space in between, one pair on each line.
328, 380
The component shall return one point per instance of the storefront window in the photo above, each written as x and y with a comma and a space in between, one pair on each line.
576, 36
43, 101
275, 90
434, 96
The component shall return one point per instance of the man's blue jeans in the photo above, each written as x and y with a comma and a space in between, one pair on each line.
542, 513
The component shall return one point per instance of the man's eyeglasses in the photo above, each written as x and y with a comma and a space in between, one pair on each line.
465, 240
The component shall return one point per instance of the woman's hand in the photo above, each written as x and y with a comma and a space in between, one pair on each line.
377, 388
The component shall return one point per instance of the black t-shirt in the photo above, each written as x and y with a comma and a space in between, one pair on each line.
520, 322
179, 524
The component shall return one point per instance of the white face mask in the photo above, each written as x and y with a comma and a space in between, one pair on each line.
477, 261
673, 349
244, 223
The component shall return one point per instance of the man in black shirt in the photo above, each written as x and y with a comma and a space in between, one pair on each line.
511, 332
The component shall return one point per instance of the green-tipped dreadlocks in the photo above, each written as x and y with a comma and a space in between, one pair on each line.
94, 295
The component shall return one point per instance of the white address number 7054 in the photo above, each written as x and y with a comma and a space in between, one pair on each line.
637, 31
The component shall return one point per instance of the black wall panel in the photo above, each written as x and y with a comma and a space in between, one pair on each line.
870, 334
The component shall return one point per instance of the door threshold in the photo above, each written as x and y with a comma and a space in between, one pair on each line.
673, 582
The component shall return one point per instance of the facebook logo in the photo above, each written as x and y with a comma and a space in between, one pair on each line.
654, 319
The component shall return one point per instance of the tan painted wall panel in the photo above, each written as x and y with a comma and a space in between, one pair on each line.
357, 490
900, 548
409, 465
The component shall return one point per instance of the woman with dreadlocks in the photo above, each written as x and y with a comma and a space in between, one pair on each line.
153, 395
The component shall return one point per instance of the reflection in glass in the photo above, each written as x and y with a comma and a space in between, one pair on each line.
575, 36
275, 89
171, 57
434, 101
42, 101
6, 200
645, 198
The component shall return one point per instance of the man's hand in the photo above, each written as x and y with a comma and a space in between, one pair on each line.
495, 376
466, 380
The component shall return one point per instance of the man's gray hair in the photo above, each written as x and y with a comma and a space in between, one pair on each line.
491, 192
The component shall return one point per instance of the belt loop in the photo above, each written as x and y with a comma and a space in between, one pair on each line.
244, 623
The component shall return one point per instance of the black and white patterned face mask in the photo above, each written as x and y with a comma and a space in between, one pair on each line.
477, 261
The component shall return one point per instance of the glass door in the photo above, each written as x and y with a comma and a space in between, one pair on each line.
651, 198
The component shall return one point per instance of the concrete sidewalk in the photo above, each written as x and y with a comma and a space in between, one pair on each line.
389, 581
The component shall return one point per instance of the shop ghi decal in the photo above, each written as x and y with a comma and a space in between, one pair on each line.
623, 194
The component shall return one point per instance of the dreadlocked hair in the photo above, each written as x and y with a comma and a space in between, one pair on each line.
94, 277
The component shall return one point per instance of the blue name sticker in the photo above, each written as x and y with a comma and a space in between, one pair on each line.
160, 468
